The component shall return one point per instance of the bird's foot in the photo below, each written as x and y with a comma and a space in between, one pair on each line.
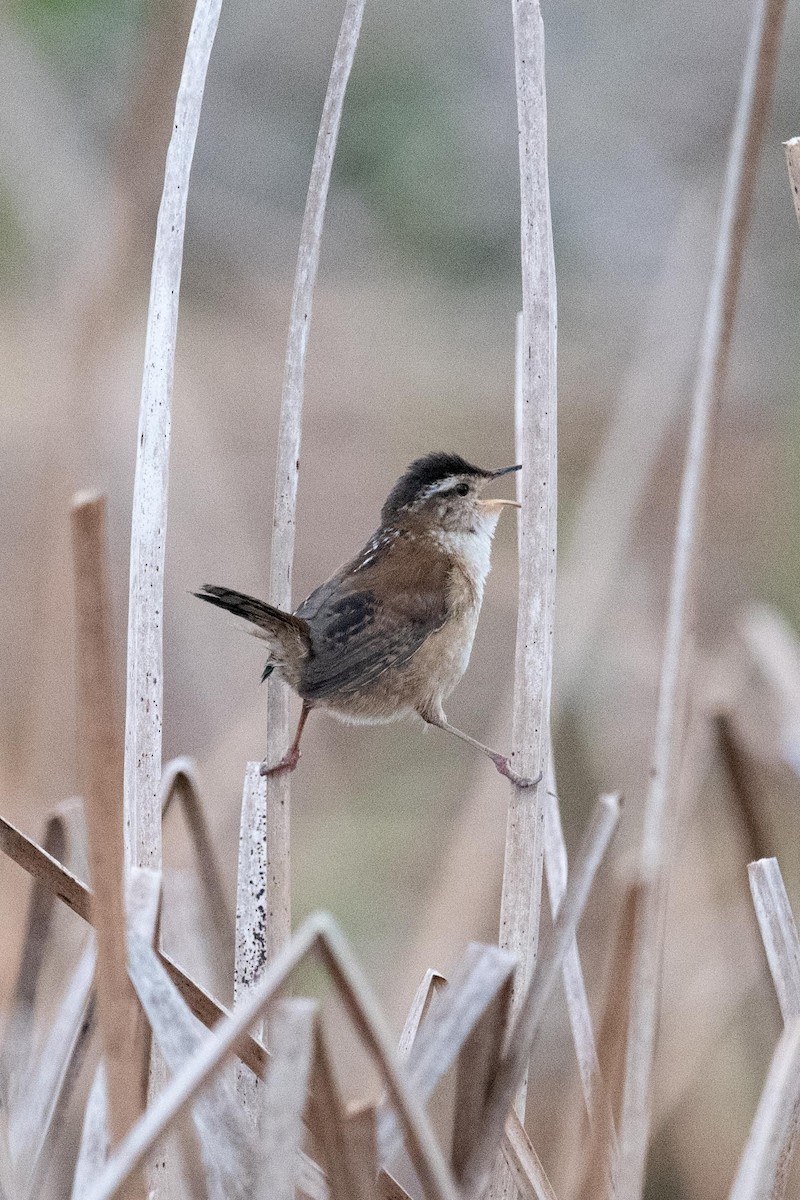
505, 768
288, 763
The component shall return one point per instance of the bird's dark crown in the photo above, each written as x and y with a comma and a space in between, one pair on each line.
421, 474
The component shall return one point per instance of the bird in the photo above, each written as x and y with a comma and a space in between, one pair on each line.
390, 634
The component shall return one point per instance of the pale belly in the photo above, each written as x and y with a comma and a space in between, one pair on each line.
421, 684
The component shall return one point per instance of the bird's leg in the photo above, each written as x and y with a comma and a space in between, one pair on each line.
292, 756
500, 761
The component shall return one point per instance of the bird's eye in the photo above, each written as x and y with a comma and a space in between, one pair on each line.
462, 489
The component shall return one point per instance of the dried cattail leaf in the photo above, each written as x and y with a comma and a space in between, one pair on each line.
77, 896
225, 1138
431, 985
93, 1149
284, 1097
524, 1163
482, 973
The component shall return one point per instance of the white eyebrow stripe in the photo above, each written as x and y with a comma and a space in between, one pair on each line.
441, 486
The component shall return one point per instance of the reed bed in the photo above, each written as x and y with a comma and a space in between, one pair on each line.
191, 1099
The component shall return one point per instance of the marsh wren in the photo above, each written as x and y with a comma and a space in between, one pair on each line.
390, 634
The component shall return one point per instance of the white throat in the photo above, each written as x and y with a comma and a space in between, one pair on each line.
473, 548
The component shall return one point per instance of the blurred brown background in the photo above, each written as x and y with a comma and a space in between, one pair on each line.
399, 832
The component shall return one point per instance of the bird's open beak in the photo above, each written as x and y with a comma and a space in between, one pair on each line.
499, 503
502, 503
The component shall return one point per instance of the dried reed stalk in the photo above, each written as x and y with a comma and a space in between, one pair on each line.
179, 782
61, 830
514, 1063
771, 1128
292, 1025
38, 1119
337, 1151
476, 1065
223, 1133
122, 1032
749, 125
555, 864
251, 910
774, 648
93, 1148
480, 977
782, 946
431, 985
522, 873
599, 1165
77, 897
778, 933
149, 522
279, 920
524, 1164
792, 148
42, 867
423, 1148
145, 680
322, 933
361, 1132
595, 1093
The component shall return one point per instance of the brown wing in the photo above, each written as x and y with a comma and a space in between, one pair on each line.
370, 617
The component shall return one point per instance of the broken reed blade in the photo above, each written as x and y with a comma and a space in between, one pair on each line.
778, 933
284, 1096
792, 148
782, 946
318, 931
329, 1126
481, 974
179, 782
226, 1141
432, 983
68, 888
524, 1163
772, 1124
51, 1078
422, 1145
476, 1065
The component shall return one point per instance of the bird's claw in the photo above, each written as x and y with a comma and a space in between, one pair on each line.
505, 768
288, 763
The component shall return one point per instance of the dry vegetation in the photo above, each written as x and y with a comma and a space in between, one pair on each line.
122, 1075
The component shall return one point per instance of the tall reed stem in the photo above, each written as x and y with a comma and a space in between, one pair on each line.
748, 134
